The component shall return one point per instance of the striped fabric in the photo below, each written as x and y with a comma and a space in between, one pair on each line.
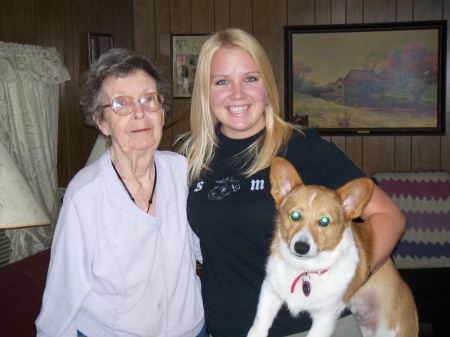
424, 198
5, 248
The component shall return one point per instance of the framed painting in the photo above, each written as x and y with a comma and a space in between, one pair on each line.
97, 45
367, 78
185, 51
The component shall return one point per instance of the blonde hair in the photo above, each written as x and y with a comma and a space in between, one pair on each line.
200, 143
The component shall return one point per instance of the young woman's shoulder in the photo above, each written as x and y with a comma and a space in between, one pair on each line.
307, 139
320, 162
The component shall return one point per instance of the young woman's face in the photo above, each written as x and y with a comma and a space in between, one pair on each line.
237, 93
140, 130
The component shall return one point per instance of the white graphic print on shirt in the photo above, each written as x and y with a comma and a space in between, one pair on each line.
227, 185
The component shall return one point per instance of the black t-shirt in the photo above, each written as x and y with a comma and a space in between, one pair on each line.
233, 217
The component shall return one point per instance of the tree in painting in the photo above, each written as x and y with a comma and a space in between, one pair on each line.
413, 68
299, 71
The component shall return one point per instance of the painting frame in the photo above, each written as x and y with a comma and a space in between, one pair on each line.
185, 49
333, 87
98, 44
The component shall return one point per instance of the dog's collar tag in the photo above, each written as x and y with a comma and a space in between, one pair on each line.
306, 286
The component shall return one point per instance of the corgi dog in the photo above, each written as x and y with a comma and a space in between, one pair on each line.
320, 262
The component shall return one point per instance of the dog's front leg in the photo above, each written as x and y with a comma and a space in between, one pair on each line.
323, 324
268, 306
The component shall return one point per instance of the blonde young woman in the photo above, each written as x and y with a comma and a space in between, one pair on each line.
236, 131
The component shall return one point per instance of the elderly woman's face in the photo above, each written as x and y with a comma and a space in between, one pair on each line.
140, 130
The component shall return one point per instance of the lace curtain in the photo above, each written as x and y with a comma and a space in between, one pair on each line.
29, 99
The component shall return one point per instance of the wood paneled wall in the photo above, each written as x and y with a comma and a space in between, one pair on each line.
63, 24
155, 20
146, 25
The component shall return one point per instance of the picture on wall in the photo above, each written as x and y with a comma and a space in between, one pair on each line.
98, 44
185, 51
367, 78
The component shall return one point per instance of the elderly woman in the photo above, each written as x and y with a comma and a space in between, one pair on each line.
123, 257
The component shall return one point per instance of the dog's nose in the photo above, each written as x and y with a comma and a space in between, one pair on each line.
301, 247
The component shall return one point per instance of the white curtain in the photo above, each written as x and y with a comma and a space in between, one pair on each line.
29, 99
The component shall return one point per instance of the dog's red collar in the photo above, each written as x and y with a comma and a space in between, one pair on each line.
305, 283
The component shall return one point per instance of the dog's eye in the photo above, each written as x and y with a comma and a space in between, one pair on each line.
324, 222
295, 215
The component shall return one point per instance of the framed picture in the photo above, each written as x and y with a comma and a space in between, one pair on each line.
185, 51
97, 45
367, 78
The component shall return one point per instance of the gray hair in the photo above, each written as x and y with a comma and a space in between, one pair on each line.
118, 62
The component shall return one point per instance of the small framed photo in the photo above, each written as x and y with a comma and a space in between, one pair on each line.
98, 44
185, 51
371, 78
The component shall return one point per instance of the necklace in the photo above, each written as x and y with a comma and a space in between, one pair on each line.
150, 201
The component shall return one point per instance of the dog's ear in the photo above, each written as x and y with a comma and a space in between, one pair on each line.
354, 196
283, 178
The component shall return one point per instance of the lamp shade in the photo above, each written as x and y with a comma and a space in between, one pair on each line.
18, 205
100, 147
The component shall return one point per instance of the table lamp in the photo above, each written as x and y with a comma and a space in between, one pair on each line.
99, 148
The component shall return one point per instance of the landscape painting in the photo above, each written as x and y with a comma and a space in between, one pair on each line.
367, 78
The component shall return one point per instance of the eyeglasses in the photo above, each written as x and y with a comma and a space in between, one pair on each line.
124, 105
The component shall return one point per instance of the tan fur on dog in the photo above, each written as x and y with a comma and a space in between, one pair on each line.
285, 179
315, 234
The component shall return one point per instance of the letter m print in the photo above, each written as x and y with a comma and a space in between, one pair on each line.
257, 185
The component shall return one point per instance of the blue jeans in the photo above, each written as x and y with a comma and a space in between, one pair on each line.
203, 332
